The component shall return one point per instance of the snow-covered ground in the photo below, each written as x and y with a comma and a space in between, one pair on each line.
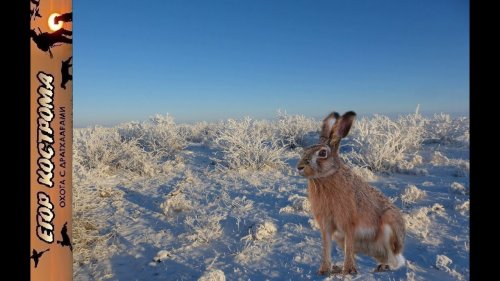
221, 201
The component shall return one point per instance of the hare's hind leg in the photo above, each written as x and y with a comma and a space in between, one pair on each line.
392, 236
381, 248
388, 259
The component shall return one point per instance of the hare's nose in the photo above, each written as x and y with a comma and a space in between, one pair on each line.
300, 168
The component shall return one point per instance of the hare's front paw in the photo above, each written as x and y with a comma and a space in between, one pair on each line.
350, 269
324, 269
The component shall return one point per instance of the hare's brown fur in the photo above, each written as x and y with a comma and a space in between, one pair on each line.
356, 215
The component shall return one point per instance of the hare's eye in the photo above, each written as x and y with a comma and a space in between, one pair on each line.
322, 153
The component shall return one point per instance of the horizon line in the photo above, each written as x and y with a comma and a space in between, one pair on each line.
112, 123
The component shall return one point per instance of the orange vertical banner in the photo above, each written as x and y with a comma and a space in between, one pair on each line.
51, 133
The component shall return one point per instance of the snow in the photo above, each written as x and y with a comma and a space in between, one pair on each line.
166, 201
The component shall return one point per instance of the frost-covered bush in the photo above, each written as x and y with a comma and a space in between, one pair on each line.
445, 130
213, 275
175, 202
96, 147
204, 227
160, 136
136, 148
443, 263
457, 187
248, 145
419, 221
162, 255
180, 198
101, 151
291, 130
383, 144
463, 208
299, 204
364, 172
462, 167
412, 194
257, 242
262, 231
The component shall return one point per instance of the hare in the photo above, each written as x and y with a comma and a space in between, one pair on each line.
356, 215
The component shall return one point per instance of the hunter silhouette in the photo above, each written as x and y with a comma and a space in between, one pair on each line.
44, 41
66, 241
67, 17
34, 13
37, 255
66, 76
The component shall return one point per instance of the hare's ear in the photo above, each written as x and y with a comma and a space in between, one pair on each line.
345, 123
327, 127
341, 129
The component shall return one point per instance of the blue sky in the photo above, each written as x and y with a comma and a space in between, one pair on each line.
210, 60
